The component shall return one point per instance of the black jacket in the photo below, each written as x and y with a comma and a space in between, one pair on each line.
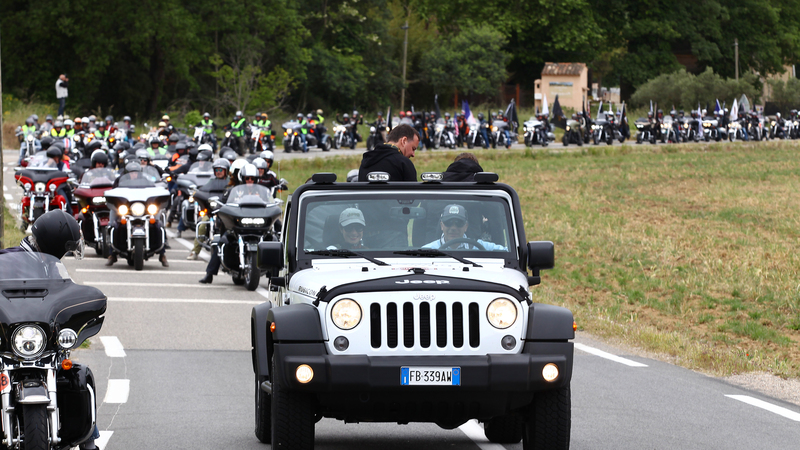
462, 170
387, 158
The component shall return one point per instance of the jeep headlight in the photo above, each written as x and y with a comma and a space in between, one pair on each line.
346, 314
501, 313
28, 341
137, 209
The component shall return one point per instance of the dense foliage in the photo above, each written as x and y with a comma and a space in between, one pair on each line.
141, 58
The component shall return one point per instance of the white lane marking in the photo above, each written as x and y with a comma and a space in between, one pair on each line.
186, 285
789, 414
474, 431
8, 197
5, 188
183, 300
143, 272
102, 441
189, 245
113, 346
608, 356
264, 293
118, 391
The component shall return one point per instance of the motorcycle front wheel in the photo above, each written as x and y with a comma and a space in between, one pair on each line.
253, 273
138, 254
35, 428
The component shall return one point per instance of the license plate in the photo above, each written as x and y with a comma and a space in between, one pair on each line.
430, 376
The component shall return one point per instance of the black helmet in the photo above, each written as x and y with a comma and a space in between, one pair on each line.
193, 152
173, 137
133, 166
54, 152
136, 146
480, 116
101, 124
180, 147
57, 233
99, 156
92, 146
205, 155
46, 141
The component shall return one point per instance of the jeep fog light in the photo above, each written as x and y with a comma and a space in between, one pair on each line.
346, 314
341, 343
501, 313
508, 342
550, 372
304, 373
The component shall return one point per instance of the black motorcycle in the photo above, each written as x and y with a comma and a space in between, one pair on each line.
136, 230
249, 217
375, 135
199, 174
645, 131
342, 137
48, 400
573, 133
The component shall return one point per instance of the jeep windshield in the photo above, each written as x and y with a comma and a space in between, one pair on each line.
408, 224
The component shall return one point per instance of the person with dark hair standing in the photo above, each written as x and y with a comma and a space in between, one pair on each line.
393, 157
62, 83
463, 168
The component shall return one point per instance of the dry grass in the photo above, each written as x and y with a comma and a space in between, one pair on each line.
690, 251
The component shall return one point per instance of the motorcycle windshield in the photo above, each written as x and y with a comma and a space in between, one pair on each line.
98, 177
40, 160
201, 166
250, 195
135, 180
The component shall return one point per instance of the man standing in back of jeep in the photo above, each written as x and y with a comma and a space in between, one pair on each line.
393, 156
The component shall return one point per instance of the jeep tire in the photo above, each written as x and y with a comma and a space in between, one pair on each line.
263, 413
548, 421
292, 417
504, 429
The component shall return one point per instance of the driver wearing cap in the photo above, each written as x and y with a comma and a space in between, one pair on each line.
454, 232
351, 225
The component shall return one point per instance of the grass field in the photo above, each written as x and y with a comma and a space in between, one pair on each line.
691, 251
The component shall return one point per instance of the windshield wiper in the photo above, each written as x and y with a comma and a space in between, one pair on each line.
345, 253
435, 252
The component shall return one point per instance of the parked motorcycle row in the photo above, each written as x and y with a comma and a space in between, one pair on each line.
718, 126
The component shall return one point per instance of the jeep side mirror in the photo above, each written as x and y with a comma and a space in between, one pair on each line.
541, 255
270, 255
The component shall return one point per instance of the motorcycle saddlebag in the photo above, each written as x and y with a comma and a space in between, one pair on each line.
75, 406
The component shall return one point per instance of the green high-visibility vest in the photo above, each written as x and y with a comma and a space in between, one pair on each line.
161, 151
238, 128
71, 132
320, 119
267, 123
26, 129
209, 126
59, 134
303, 129
101, 134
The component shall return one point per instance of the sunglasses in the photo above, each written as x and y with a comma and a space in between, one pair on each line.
249, 179
354, 227
458, 223
219, 169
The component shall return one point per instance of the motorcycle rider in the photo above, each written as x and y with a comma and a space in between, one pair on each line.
58, 130
219, 184
24, 130
78, 127
101, 132
303, 131
155, 148
356, 119
92, 123
482, 127
99, 160
779, 126
676, 125
210, 129
168, 127
128, 128
68, 126
266, 177
249, 176
47, 125
135, 171
110, 124
237, 128
380, 127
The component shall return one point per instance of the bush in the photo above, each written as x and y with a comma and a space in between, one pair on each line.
785, 94
685, 90
192, 118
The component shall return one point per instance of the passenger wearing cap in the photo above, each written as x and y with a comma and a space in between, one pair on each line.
454, 226
351, 225
168, 127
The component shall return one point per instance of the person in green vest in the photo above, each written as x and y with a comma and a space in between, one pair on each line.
156, 149
268, 125
303, 130
58, 130
319, 117
210, 127
237, 128
68, 126
101, 132
23, 132
258, 123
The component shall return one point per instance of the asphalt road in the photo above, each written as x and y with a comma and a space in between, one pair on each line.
174, 372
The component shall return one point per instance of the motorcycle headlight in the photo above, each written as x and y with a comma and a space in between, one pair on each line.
122, 210
501, 313
247, 221
494, 128
30, 138
28, 341
152, 209
227, 134
99, 200
137, 209
39, 187
67, 338
773, 122
346, 314
567, 129
27, 187
212, 204
524, 128
76, 138
52, 187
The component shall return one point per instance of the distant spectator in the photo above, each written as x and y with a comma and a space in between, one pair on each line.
393, 157
463, 168
62, 83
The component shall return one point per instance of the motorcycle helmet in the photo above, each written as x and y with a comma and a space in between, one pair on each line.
155, 142
92, 118
133, 166
319, 112
35, 117
126, 119
58, 124
260, 163
778, 115
409, 114
258, 115
193, 152
78, 120
99, 124
54, 152
205, 155
268, 156
143, 155
162, 124
447, 115
92, 146
180, 148
309, 116
237, 165
673, 113
48, 118
480, 116
402, 114
650, 114
345, 116
680, 112
265, 116
109, 119
99, 156
380, 114
46, 141
173, 138
248, 171
222, 163
205, 147
299, 116
165, 118
206, 115
238, 114
352, 176
69, 123
355, 113
660, 113
56, 233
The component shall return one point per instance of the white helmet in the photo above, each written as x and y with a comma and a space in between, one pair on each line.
238, 164
69, 123
249, 170
203, 147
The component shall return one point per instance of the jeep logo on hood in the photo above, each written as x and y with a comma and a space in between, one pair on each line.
423, 282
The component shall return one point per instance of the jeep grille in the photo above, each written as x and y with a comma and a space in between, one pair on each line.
440, 324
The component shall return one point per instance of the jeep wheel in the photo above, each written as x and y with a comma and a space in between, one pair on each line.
263, 411
292, 417
504, 429
548, 422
